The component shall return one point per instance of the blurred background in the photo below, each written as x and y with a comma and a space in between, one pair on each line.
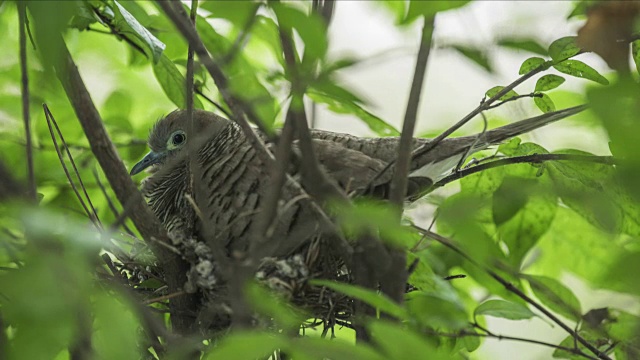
362, 30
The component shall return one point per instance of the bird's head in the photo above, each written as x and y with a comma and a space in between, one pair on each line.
172, 133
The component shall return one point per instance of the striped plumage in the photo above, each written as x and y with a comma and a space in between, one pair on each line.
230, 179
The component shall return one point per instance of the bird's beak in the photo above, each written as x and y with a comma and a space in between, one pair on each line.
150, 159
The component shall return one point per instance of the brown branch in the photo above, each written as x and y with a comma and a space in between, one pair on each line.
31, 179
510, 287
180, 19
92, 216
514, 98
464, 333
532, 159
392, 282
145, 221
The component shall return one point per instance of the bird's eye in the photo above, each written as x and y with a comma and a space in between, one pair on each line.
176, 140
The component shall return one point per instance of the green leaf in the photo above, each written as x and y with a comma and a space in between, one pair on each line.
476, 55
310, 27
172, 82
398, 342
509, 198
430, 308
504, 309
246, 345
635, 53
532, 63
563, 48
571, 343
397, 8
523, 44
496, 89
594, 191
544, 103
379, 301
237, 12
549, 82
554, 295
429, 9
316, 348
127, 25
579, 69
341, 101
115, 323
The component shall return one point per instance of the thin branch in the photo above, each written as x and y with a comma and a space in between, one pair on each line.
513, 338
510, 287
73, 164
89, 214
403, 161
514, 98
179, 18
163, 298
112, 207
392, 282
218, 106
532, 159
482, 107
31, 179
239, 41
145, 221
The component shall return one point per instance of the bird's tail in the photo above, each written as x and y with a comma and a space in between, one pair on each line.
523, 126
434, 161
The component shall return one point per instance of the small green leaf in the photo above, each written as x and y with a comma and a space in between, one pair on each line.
341, 101
269, 304
635, 52
579, 69
127, 25
429, 308
476, 55
544, 103
398, 342
563, 48
555, 296
504, 309
237, 12
310, 27
509, 198
549, 82
531, 63
496, 89
172, 82
317, 348
429, 9
379, 301
523, 44
246, 345
397, 8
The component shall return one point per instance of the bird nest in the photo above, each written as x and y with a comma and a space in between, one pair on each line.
289, 277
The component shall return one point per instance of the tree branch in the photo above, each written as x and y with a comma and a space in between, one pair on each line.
31, 179
532, 159
126, 192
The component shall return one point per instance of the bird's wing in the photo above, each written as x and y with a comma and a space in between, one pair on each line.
440, 160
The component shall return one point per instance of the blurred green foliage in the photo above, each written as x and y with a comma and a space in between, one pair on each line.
529, 223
